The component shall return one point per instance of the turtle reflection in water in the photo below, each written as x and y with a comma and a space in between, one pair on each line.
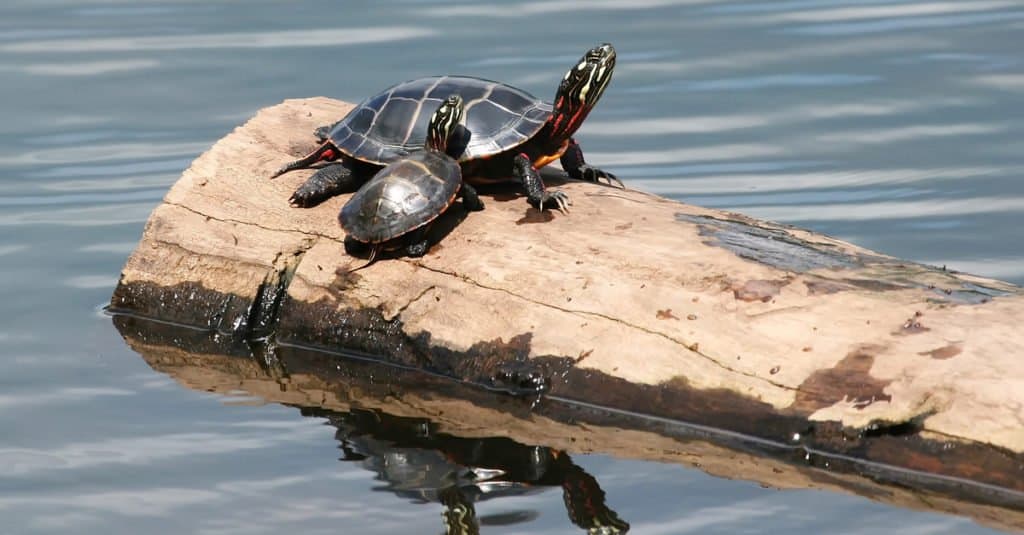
419, 463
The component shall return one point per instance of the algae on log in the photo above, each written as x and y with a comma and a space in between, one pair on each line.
632, 302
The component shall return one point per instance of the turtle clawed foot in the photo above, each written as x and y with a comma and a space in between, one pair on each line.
417, 249
298, 200
554, 199
594, 174
537, 196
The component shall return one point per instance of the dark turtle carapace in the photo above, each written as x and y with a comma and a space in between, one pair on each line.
395, 208
508, 132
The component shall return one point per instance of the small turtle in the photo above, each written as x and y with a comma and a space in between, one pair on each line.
502, 123
395, 208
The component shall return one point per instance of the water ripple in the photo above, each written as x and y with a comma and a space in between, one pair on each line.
785, 5
791, 55
889, 11
131, 169
888, 210
901, 24
88, 216
143, 450
796, 114
91, 282
528, 9
269, 39
82, 198
11, 249
875, 136
60, 396
1006, 82
91, 68
747, 83
105, 152
688, 154
769, 182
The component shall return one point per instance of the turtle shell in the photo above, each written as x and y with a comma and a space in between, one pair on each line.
402, 197
393, 123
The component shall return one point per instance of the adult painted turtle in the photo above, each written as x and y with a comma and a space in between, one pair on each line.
394, 209
502, 123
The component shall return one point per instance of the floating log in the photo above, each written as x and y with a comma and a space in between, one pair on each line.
632, 303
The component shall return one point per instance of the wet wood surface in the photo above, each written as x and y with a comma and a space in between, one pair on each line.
630, 302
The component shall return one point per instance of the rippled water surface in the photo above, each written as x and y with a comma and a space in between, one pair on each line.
895, 125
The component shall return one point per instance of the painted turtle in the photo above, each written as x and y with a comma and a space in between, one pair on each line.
508, 132
394, 209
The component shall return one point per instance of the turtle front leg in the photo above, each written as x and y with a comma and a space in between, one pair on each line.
328, 181
536, 195
576, 167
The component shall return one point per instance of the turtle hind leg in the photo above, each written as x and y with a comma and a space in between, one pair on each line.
355, 247
576, 167
325, 152
470, 198
328, 181
417, 243
536, 195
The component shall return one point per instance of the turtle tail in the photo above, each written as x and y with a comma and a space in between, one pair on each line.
325, 152
373, 257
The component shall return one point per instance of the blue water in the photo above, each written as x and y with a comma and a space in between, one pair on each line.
895, 125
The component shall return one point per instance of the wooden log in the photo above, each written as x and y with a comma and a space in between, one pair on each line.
631, 302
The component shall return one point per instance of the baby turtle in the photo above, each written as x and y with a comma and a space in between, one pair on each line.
395, 208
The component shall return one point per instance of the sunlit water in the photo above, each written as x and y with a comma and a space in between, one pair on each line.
895, 125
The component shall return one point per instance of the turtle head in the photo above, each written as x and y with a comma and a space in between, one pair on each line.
581, 88
443, 123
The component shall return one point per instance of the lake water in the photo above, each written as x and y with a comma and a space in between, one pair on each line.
895, 125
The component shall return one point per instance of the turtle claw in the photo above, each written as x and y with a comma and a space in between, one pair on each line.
553, 199
595, 174
559, 198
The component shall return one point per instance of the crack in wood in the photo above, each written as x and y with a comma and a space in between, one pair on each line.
257, 225
689, 347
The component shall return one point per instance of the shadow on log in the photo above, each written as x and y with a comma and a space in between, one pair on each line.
633, 307
457, 429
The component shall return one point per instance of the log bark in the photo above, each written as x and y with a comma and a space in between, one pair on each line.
631, 302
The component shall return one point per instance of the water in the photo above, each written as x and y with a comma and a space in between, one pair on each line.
894, 125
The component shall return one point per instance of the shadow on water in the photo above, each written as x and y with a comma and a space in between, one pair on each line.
437, 440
